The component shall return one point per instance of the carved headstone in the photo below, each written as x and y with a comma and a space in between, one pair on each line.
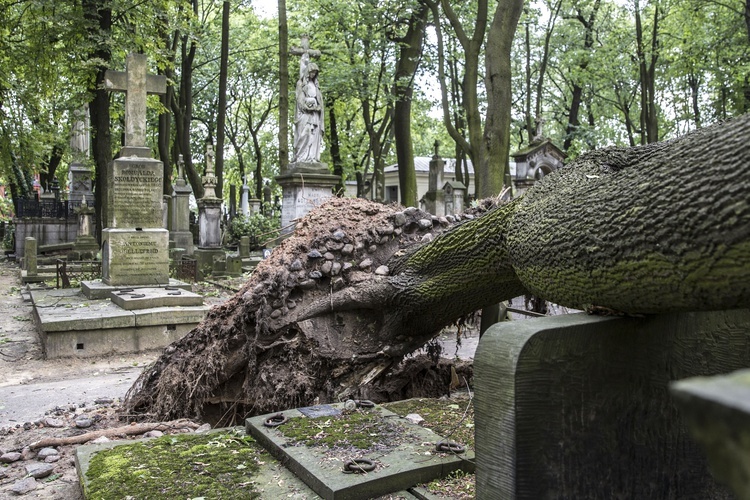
181, 190
135, 245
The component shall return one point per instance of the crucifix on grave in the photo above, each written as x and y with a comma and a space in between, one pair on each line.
135, 244
136, 84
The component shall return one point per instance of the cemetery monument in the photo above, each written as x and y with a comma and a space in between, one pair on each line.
307, 182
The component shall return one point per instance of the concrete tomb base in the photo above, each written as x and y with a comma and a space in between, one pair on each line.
413, 460
717, 410
72, 325
301, 192
578, 406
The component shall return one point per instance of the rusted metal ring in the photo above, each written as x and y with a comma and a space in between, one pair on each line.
450, 447
358, 466
364, 403
276, 420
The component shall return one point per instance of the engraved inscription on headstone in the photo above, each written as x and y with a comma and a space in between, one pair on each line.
136, 194
140, 257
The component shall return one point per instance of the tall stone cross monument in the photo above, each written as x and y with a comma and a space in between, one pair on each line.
135, 245
307, 182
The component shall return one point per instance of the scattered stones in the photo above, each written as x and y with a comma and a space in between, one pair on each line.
382, 271
153, 434
335, 269
53, 422
275, 314
329, 256
372, 249
104, 401
399, 219
314, 254
203, 429
24, 486
443, 221
3, 474
83, 422
316, 275
291, 304
335, 246
347, 266
468, 216
39, 470
276, 304
414, 418
365, 264
450, 219
307, 284
385, 231
326, 267
337, 284
296, 265
339, 235
410, 211
424, 224
47, 452
52, 459
427, 238
10, 457
348, 249
102, 439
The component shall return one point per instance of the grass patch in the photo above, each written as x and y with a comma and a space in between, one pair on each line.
212, 465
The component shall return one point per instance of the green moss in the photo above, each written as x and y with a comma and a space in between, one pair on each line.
361, 430
213, 465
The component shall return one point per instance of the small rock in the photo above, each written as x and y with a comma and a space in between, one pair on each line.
314, 254
291, 304
397, 231
414, 418
326, 267
329, 256
335, 269
348, 249
443, 221
348, 266
339, 235
10, 457
410, 211
296, 265
334, 246
468, 216
27, 453
450, 218
27, 426
275, 314
38, 470
316, 275
382, 271
359, 246
372, 249
385, 231
276, 304
365, 264
384, 240
24, 486
83, 422
203, 429
52, 459
153, 434
425, 224
337, 284
104, 401
399, 219
307, 284
47, 452
427, 238
102, 439
53, 422
3, 474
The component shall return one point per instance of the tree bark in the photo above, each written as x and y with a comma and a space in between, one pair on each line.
221, 114
410, 54
678, 241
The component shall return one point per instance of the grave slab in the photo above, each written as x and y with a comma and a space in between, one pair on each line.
578, 406
72, 325
272, 480
96, 289
148, 298
411, 461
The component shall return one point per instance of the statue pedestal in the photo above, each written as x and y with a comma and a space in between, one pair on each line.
304, 187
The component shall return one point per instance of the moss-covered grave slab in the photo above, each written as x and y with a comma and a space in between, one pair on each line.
224, 463
317, 442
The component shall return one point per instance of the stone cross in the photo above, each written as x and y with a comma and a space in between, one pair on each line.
137, 85
305, 52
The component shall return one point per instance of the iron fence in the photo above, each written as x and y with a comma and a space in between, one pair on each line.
71, 273
47, 208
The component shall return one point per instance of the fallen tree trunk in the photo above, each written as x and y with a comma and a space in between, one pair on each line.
657, 228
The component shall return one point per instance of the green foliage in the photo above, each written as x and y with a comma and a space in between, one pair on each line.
257, 226
10, 231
